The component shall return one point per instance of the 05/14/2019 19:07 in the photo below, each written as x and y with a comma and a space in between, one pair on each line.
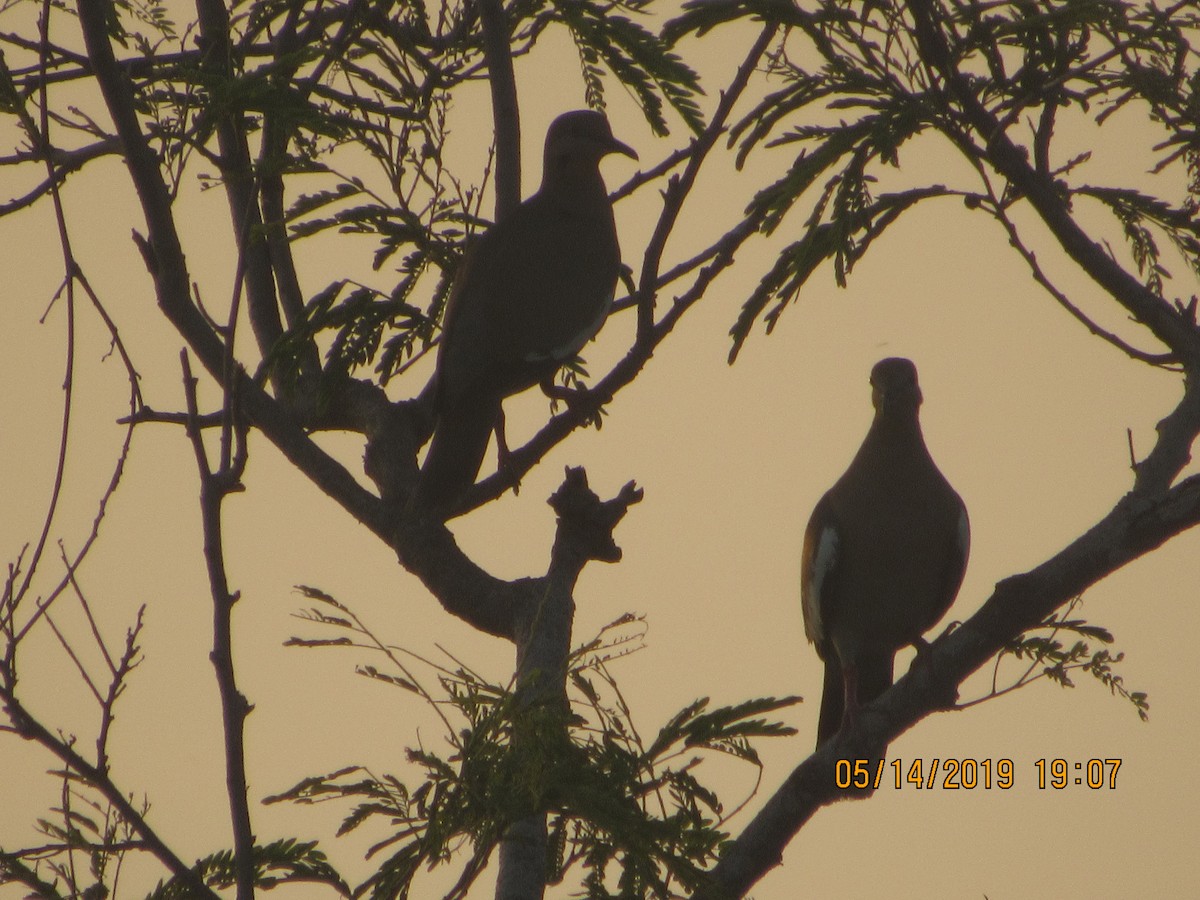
972, 774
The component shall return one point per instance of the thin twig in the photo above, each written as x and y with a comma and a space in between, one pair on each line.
679, 187
24, 724
1014, 238
214, 486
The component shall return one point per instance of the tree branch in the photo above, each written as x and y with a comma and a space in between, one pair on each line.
1172, 451
169, 268
1135, 526
543, 638
1035, 269
237, 175
680, 187
172, 288
214, 486
1174, 330
506, 114
30, 728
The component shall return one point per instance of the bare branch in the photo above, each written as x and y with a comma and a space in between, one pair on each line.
28, 727
1035, 269
506, 115
214, 486
680, 187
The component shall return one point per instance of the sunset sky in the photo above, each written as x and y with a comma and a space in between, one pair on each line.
1025, 413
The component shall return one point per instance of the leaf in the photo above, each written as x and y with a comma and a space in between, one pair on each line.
640, 60
636, 815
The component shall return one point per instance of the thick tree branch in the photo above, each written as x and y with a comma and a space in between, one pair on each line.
1172, 451
543, 638
464, 589
169, 268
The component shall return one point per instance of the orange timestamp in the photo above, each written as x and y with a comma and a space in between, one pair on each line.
972, 774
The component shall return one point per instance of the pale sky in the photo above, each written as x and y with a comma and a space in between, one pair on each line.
1025, 413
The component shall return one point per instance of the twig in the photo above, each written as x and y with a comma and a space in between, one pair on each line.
1035, 269
679, 187
39, 135
30, 728
214, 487
1011, 161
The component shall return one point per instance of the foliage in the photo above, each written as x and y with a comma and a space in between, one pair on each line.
1050, 658
280, 862
634, 55
631, 812
858, 88
322, 86
349, 105
87, 840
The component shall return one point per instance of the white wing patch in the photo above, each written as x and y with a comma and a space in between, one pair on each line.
823, 559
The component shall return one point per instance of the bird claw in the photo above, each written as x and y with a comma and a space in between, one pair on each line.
572, 397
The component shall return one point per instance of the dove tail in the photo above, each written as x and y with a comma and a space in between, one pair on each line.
456, 452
